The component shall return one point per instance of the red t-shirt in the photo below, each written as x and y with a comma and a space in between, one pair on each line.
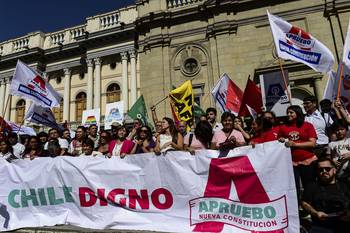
268, 136
302, 134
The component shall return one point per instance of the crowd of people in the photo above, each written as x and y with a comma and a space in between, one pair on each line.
319, 141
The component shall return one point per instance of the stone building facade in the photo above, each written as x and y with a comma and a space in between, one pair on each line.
153, 45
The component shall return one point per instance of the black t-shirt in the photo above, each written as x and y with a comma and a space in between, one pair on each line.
330, 199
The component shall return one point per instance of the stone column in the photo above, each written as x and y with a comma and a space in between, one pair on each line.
7, 95
133, 85
90, 80
125, 89
66, 97
97, 92
2, 96
318, 89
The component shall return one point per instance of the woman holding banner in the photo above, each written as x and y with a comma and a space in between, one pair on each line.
301, 137
169, 138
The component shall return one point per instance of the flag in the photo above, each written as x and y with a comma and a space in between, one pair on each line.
197, 110
252, 112
346, 50
295, 44
139, 111
28, 84
21, 129
227, 95
252, 98
4, 128
331, 90
40, 115
181, 101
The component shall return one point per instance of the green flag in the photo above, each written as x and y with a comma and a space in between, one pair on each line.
198, 112
139, 110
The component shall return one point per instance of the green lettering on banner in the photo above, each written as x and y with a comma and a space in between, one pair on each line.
246, 212
31, 197
11, 198
223, 208
67, 193
257, 213
52, 197
213, 205
269, 212
236, 210
42, 198
203, 206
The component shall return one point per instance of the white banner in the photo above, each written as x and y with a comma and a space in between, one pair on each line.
28, 84
295, 44
40, 115
346, 50
114, 113
91, 117
250, 190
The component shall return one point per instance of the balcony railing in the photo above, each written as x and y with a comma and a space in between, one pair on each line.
179, 3
21, 44
57, 38
110, 20
76, 32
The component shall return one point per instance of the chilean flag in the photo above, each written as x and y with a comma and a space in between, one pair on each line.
227, 95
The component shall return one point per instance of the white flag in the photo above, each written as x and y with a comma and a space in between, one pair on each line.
21, 129
252, 112
40, 115
295, 44
346, 51
28, 84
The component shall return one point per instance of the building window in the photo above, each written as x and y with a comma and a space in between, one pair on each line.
20, 111
58, 112
190, 67
113, 93
80, 105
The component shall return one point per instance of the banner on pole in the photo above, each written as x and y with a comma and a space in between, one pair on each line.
293, 43
40, 115
114, 113
239, 193
274, 92
181, 101
91, 117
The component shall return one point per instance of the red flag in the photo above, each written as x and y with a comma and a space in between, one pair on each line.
252, 98
4, 127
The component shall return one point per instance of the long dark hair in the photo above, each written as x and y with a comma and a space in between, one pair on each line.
9, 146
204, 133
172, 128
300, 115
28, 148
149, 136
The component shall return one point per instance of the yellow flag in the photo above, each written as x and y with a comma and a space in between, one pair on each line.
181, 100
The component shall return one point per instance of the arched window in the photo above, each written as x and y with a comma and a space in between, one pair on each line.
20, 111
113, 93
58, 112
80, 105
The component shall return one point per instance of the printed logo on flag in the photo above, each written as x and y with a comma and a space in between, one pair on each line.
36, 87
275, 93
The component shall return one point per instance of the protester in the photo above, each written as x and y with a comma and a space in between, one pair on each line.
18, 148
66, 135
92, 134
200, 139
144, 142
103, 143
319, 122
203, 118
327, 111
339, 150
227, 138
88, 148
120, 146
6, 150
264, 130
211, 117
169, 138
33, 148
301, 137
135, 126
114, 129
63, 143
76, 146
238, 125
43, 137
182, 128
54, 149
327, 200
341, 112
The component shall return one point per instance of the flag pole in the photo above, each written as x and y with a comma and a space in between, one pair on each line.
160, 101
285, 81
340, 79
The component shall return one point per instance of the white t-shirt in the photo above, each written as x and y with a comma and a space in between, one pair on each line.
63, 144
320, 124
18, 150
339, 148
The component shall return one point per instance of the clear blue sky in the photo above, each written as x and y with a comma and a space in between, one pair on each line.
19, 17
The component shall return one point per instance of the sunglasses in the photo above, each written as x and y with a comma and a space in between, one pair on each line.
323, 169
144, 130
